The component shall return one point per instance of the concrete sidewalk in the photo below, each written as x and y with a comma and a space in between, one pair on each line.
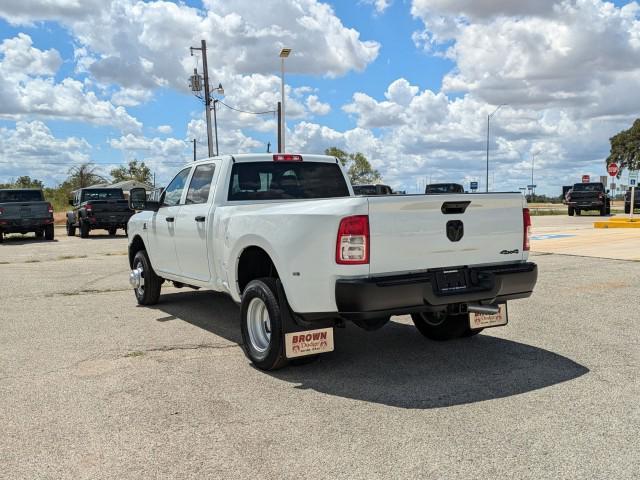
576, 236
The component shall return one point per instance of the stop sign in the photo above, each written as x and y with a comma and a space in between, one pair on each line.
613, 169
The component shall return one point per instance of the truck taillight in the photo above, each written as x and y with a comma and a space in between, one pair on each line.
526, 222
50, 208
89, 208
1, 211
352, 246
286, 157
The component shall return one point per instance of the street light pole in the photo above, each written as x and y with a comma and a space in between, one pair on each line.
488, 124
215, 123
533, 190
284, 53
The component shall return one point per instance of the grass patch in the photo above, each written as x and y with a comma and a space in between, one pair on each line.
137, 353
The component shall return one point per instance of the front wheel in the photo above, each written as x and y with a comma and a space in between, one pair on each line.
48, 232
112, 231
627, 209
71, 229
442, 326
261, 325
578, 212
39, 233
148, 288
571, 211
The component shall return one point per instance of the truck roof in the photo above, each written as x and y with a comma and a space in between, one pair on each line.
267, 157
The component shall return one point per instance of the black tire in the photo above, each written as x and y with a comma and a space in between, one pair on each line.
603, 211
112, 231
149, 293
627, 209
571, 211
272, 356
578, 212
1, 236
71, 229
84, 229
441, 326
49, 232
472, 333
39, 233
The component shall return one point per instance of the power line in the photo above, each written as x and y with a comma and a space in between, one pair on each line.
245, 111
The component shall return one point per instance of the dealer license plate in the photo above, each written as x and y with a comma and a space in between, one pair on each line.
484, 320
309, 342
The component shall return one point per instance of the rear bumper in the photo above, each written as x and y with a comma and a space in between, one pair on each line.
25, 225
120, 221
586, 204
367, 298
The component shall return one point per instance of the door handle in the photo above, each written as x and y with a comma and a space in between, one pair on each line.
200, 218
170, 219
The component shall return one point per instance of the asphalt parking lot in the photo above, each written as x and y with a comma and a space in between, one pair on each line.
92, 386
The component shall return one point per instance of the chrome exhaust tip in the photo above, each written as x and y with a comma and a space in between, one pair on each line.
485, 309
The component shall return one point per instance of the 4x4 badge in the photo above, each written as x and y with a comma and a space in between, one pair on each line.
509, 252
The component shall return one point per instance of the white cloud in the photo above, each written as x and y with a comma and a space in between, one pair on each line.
130, 97
27, 89
316, 107
165, 129
379, 5
31, 149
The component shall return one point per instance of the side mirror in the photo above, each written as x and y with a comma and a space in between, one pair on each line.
138, 200
71, 202
608, 191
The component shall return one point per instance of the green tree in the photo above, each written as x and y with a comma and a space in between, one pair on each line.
134, 171
28, 182
358, 167
625, 148
82, 176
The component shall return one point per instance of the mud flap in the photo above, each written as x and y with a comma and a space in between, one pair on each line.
303, 338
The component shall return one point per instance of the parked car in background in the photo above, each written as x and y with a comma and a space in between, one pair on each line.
25, 210
588, 196
285, 237
98, 208
437, 188
377, 189
627, 200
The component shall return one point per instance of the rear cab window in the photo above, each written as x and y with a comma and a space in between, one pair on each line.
102, 194
286, 180
10, 196
588, 187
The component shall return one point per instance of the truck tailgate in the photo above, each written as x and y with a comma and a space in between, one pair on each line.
25, 210
409, 233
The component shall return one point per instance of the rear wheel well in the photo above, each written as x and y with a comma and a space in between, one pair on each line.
254, 263
136, 245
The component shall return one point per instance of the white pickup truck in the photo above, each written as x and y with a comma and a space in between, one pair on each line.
286, 238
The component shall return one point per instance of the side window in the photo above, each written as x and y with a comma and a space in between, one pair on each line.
200, 184
173, 192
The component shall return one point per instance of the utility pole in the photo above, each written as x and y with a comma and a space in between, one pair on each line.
207, 94
194, 149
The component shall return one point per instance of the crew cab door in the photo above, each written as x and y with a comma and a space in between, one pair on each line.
162, 249
194, 221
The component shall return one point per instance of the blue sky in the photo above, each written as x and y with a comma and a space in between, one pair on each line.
409, 83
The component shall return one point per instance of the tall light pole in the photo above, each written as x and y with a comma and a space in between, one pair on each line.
284, 53
488, 120
533, 190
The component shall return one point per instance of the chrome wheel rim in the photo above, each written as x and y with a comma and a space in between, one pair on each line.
140, 267
258, 325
